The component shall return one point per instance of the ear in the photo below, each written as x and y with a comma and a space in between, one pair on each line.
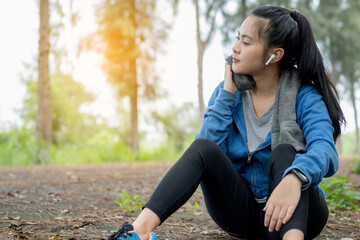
278, 52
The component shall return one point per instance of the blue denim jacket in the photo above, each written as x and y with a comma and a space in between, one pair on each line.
224, 124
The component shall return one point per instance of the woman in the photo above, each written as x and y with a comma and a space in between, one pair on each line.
261, 153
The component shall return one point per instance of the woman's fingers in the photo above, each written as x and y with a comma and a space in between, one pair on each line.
274, 219
290, 211
268, 214
276, 216
280, 220
229, 84
227, 69
282, 203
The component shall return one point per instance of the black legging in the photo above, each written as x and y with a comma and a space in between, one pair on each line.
228, 198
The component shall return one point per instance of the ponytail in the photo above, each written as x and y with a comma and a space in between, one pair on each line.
311, 66
292, 32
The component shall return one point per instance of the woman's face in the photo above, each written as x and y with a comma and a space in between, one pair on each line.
248, 50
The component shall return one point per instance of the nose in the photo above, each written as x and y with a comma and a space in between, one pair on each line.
236, 47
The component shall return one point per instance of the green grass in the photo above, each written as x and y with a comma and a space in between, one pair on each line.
130, 204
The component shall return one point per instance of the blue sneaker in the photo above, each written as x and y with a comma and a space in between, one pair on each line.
123, 233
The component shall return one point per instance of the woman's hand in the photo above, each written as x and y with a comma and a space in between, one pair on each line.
282, 202
229, 84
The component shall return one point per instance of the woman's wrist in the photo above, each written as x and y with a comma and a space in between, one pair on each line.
230, 90
294, 180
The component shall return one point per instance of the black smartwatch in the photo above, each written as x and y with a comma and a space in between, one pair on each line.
304, 180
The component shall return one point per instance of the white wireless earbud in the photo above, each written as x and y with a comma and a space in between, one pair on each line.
271, 58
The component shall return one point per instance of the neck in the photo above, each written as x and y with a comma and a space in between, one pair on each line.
267, 82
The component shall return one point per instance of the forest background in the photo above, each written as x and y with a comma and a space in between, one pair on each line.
126, 80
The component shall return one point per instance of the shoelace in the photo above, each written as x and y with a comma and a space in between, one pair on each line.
122, 232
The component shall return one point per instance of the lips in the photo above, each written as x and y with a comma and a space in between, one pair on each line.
235, 60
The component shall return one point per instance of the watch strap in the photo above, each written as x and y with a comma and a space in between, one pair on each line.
304, 180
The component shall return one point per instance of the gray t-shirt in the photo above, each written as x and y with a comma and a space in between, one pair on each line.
257, 129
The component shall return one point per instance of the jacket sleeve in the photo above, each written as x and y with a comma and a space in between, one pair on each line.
321, 159
218, 117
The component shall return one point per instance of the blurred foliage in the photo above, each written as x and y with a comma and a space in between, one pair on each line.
17, 147
83, 142
355, 168
103, 146
178, 123
69, 124
340, 193
130, 35
348, 146
80, 138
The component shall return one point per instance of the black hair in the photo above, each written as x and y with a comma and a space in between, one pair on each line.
291, 31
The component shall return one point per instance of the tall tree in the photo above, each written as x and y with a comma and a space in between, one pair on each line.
43, 122
53, 111
131, 34
203, 40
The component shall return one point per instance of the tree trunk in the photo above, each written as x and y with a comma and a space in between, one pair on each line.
353, 101
243, 10
334, 74
43, 121
335, 79
134, 133
200, 62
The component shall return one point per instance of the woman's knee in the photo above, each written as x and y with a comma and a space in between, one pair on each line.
283, 154
203, 142
204, 150
205, 146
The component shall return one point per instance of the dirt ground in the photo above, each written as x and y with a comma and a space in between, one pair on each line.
78, 203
